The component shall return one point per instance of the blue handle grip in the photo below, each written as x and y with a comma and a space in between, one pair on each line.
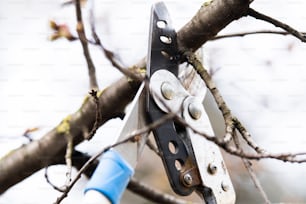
111, 177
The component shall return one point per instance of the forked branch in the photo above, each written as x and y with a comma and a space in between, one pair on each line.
277, 23
232, 124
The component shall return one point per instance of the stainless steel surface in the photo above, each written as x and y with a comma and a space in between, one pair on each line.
206, 153
157, 80
133, 121
208, 157
195, 110
167, 90
190, 80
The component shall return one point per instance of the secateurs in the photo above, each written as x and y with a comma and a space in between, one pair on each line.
192, 163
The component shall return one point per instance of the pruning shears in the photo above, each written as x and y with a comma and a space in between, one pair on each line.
192, 163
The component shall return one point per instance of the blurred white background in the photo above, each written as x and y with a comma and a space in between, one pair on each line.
262, 78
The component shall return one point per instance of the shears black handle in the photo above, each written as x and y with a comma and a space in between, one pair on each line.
163, 54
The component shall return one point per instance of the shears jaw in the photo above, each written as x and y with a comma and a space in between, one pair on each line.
192, 163
188, 162
162, 49
134, 121
203, 168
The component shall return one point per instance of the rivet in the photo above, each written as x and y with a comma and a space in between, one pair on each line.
187, 179
167, 90
194, 110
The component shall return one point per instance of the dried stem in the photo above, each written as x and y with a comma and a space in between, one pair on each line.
226, 112
78, 176
242, 34
83, 39
152, 194
98, 120
68, 155
130, 138
248, 165
277, 23
113, 59
60, 189
247, 136
231, 122
135, 186
153, 147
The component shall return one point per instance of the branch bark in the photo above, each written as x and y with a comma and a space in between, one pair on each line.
26, 160
209, 20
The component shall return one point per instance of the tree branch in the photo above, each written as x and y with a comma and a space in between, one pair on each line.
133, 137
209, 20
139, 188
26, 160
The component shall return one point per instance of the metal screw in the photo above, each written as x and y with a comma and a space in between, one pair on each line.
167, 90
195, 110
187, 179
225, 186
212, 168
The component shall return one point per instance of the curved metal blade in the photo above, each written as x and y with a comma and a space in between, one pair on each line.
133, 121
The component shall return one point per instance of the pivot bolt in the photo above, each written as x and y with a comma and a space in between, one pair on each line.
187, 179
167, 90
195, 110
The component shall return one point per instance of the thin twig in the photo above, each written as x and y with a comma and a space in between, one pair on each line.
247, 136
98, 120
78, 176
277, 23
60, 189
134, 186
83, 39
27, 133
68, 159
84, 168
153, 194
226, 112
248, 165
231, 122
286, 157
229, 119
192, 59
242, 34
113, 59
153, 147
130, 138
